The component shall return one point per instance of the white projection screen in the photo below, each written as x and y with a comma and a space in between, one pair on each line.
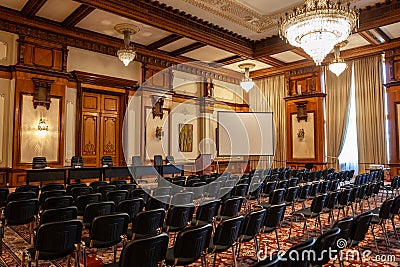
245, 133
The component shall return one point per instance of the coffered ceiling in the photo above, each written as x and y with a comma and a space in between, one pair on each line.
223, 31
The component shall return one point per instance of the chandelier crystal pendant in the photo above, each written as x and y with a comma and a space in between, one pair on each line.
318, 26
247, 83
338, 65
127, 52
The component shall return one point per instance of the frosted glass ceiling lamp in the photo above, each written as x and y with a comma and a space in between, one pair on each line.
338, 65
247, 83
318, 26
127, 52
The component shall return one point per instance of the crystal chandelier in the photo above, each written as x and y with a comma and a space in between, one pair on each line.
247, 83
338, 65
318, 26
127, 52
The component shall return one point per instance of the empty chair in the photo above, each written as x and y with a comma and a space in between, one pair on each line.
240, 190
275, 197
182, 198
178, 218
352, 199
190, 245
159, 202
269, 188
80, 191
96, 184
358, 230
381, 218
343, 200
273, 218
27, 188
147, 252
103, 190
290, 196
117, 196
212, 189
82, 201
314, 190
322, 245
303, 250
255, 191
395, 210
47, 194
107, 161
330, 204
158, 160
3, 196
147, 223
128, 187
93, 210
58, 215
206, 213
303, 194
162, 191
224, 193
141, 193
324, 187
282, 184
225, 237
130, 207
230, 208
52, 187
252, 225
344, 225
314, 211
55, 240
107, 231
118, 183
39, 163
15, 196
77, 162
58, 202
69, 187
293, 182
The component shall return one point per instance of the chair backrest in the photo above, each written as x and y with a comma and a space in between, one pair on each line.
332, 199
344, 225
384, 211
117, 196
179, 216
158, 160
46, 194
52, 187
208, 211
276, 196
77, 162
71, 186
148, 222
58, 238
3, 196
324, 242
109, 228
93, 210
305, 191
253, 223
297, 256
318, 203
274, 215
15, 196
396, 206
162, 191
58, 202
344, 196
21, 212
118, 183
231, 206
353, 194
103, 190
291, 193
360, 226
314, 189
240, 190
228, 231
293, 182
39, 163
182, 198
269, 187
81, 190
158, 202
169, 159
107, 161
59, 215
27, 188
131, 207
96, 184
192, 242
141, 193
82, 201
146, 252
129, 187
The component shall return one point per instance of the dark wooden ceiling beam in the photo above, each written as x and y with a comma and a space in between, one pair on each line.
162, 16
78, 15
32, 7
369, 37
164, 41
271, 61
383, 35
230, 60
187, 49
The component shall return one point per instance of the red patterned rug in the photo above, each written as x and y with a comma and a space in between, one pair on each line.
16, 239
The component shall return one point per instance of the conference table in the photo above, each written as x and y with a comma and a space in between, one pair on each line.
69, 174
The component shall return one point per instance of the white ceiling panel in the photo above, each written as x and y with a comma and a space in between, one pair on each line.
392, 30
177, 44
355, 40
258, 65
104, 22
14, 4
287, 57
51, 9
269, 7
208, 54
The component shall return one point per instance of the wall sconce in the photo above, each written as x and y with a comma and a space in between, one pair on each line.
42, 126
300, 133
159, 133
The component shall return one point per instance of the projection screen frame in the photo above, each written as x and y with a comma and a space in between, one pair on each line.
236, 155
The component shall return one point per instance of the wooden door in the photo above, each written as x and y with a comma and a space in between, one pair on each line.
100, 128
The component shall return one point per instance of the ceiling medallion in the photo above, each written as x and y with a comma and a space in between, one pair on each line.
127, 52
318, 26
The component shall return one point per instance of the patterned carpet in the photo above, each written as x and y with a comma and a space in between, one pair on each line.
17, 238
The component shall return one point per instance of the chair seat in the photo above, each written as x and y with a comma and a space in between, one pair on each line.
216, 248
170, 260
247, 238
267, 230
375, 219
100, 244
47, 255
305, 212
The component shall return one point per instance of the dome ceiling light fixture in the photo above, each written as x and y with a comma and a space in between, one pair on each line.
318, 26
127, 52
338, 65
247, 83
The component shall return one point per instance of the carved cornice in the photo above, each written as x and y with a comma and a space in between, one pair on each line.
101, 80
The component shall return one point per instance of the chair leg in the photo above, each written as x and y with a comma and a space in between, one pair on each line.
115, 253
359, 252
203, 260
394, 228
234, 256
256, 247
215, 258
383, 225
320, 224
373, 234
305, 225
277, 239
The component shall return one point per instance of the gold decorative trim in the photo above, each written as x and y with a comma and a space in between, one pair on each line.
3, 59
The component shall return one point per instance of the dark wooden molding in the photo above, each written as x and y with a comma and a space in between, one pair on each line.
32, 7
164, 41
369, 37
383, 35
101, 80
186, 49
271, 61
162, 16
230, 60
75, 17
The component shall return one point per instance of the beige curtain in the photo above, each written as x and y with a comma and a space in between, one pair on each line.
268, 95
370, 115
337, 113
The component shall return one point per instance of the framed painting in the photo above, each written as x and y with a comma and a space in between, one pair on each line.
185, 137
